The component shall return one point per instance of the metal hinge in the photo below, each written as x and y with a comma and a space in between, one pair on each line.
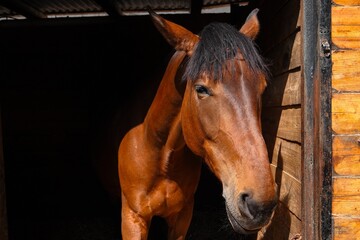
326, 49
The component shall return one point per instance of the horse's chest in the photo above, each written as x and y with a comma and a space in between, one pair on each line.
166, 198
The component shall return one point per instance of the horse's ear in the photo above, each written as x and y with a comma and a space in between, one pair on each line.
177, 36
251, 26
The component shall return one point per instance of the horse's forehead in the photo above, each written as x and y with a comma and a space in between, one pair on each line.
245, 76
234, 71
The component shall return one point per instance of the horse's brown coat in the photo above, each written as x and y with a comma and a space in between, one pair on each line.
218, 121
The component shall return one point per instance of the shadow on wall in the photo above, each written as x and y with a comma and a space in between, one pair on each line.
279, 44
282, 214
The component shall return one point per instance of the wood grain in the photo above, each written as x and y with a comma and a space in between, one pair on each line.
346, 43
281, 114
346, 71
346, 228
345, 24
347, 2
346, 120
345, 31
345, 15
346, 196
283, 90
286, 55
346, 37
289, 190
283, 123
346, 155
287, 157
346, 113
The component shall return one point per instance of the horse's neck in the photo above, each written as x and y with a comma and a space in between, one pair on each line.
163, 114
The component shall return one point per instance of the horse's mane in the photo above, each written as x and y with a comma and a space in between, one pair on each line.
218, 43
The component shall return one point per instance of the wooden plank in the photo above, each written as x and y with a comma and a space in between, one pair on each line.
289, 190
341, 15
347, 2
316, 72
346, 71
283, 90
346, 43
3, 213
287, 157
286, 55
346, 228
346, 196
283, 123
346, 155
346, 113
346, 206
346, 37
346, 186
339, 31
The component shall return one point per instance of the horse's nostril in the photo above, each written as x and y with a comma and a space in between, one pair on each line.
244, 200
252, 209
244, 196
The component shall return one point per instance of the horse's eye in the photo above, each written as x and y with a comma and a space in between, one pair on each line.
202, 91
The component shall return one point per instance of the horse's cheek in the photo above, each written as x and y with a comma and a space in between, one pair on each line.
191, 130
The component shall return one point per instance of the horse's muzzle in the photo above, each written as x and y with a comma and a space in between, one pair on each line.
251, 215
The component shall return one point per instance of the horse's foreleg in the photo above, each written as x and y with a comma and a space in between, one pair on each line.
179, 223
133, 226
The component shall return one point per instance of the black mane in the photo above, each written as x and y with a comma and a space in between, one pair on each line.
218, 43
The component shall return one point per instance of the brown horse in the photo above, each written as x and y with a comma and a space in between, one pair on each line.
217, 117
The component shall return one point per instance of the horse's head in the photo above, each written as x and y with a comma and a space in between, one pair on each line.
221, 115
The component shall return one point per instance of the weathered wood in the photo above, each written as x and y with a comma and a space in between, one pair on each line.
347, 2
346, 186
3, 215
346, 71
287, 157
289, 190
345, 31
345, 25
288, 211
283, 123
347, 228
346, 36
283, 90
346, 43
316, 163
346, 196
346, 113
286, 55
346, 120
346, 155
281, 114
344, 15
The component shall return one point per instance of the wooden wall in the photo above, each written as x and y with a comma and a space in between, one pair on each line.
346, 119
281, 44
